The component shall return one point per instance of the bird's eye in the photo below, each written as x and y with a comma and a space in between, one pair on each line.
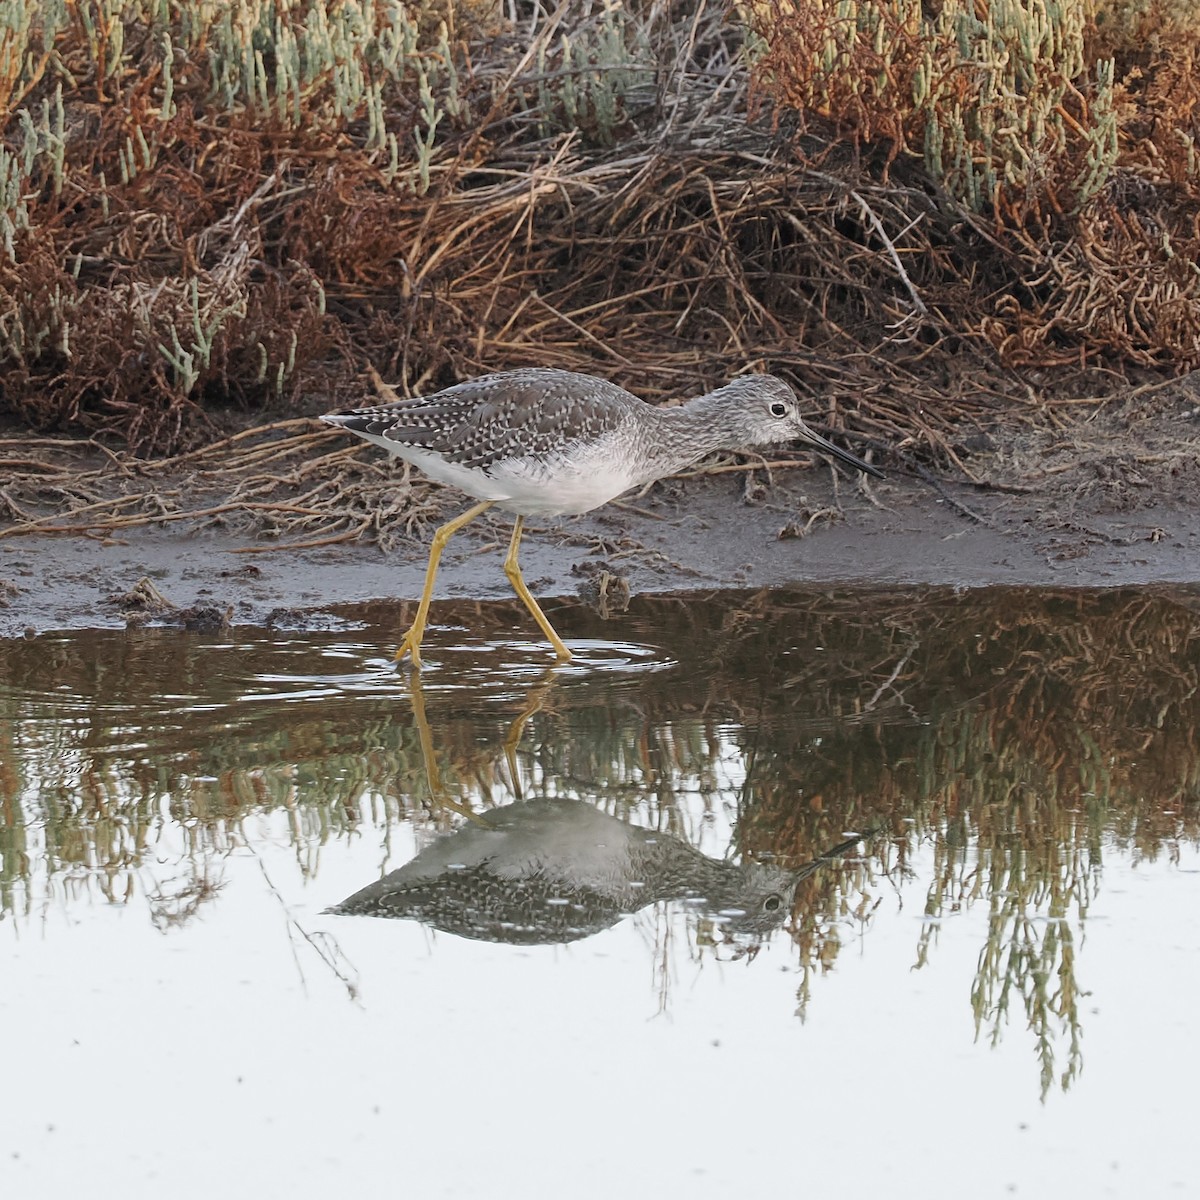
778, 409
771, 903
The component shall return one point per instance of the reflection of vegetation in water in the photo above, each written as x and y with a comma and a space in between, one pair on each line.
1016, 737
1033, 956
1025, 838
99, 773
1022, 737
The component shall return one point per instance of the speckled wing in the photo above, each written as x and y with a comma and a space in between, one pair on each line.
510, 415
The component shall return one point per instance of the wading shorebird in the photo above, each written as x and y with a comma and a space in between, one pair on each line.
543, 442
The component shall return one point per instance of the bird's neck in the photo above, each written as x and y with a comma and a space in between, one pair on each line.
686, 433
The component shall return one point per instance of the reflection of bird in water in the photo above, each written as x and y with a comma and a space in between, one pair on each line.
542, 442
546, 871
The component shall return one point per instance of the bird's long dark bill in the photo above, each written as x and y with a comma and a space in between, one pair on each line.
815, 439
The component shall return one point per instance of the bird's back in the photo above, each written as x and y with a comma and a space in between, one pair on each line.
497, 417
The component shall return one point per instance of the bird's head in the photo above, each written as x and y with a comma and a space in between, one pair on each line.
766, 412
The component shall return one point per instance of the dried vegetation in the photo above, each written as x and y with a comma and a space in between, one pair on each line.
1070, 126
206, 207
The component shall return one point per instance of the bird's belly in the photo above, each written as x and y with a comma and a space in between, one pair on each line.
537, 485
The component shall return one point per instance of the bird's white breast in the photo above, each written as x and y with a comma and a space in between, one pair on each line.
577, 479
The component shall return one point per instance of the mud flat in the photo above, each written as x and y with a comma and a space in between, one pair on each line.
1110, 504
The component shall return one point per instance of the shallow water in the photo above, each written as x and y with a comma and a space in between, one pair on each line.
992, 993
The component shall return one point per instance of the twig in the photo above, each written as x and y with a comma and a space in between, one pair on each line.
348, 536
958, 504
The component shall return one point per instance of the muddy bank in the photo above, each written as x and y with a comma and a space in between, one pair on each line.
1111, 503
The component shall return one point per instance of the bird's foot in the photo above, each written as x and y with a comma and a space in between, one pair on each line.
410, 645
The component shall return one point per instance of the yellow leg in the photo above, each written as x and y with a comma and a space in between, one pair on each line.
425, 738
533, 704
513, 570
440, 797
416, 631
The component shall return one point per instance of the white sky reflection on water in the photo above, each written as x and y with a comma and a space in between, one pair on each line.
224, 1057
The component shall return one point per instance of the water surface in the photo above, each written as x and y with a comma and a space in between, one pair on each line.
609, 964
